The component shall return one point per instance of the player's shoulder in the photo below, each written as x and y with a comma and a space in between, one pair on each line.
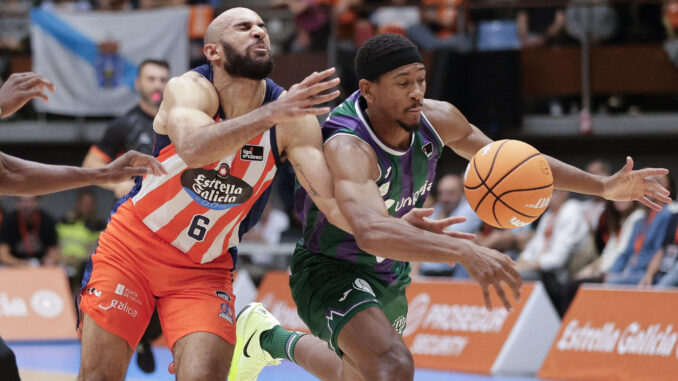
440, 111
190, 83
447, 120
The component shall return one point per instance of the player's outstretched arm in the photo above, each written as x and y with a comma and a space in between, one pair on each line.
625, 185
354, 167
190, 101
23, 177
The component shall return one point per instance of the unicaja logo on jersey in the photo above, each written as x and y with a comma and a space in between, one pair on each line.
410, 201
215, 189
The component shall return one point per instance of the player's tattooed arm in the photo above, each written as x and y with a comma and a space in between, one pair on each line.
301, 142
299, 170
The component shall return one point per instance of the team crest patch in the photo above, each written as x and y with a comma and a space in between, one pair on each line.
215, 188
428, 149
226, 312
224, 171
252, 153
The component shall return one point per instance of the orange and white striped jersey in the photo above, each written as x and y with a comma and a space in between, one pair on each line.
204, 211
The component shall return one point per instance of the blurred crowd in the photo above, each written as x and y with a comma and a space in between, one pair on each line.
576, 241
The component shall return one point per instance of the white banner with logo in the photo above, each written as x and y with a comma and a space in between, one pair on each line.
92, 57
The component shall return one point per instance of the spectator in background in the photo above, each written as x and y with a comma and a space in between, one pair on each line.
441, 26
561, 245
396, 17
450, 201
539, 26
66, 5
311, 18
28, 236
663, 269
616, 226
134, 130
78, 233
647, 237
620, 218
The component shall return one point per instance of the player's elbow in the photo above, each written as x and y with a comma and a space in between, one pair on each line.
370, 237
191, 156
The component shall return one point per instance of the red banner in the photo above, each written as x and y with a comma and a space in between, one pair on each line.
616, 334
36, 304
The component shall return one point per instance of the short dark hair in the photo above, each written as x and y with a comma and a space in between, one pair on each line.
151, 61
374, 50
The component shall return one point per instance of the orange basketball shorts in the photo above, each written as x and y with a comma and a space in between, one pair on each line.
133, 271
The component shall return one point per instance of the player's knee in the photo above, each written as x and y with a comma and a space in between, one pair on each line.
396, 364
199, 370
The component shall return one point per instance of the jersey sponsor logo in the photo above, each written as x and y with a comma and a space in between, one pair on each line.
116, 304
94, 291
361, 285
223, 295
428, 149
383, 189
410, 201
128, 293
399, 324
252, 153
215, 189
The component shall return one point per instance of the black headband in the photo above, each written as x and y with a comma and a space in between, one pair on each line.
377, 66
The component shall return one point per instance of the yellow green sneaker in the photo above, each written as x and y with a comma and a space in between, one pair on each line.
249, 359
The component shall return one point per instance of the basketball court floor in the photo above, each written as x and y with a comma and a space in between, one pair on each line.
59, 361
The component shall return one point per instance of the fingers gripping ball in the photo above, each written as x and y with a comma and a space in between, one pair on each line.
508, 183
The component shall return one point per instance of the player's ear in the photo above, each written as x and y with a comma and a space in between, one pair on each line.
367, 89
211, 52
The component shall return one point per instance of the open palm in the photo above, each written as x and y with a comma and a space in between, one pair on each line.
638, 185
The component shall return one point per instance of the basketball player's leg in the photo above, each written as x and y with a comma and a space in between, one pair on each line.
202, 356
197, 315
104, 356
371, 350
115, 306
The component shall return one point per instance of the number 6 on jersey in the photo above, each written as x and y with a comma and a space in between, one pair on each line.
198, 227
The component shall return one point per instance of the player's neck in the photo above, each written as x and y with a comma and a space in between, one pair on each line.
238, 96
388, 130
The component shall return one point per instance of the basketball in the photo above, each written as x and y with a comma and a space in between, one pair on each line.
508, 183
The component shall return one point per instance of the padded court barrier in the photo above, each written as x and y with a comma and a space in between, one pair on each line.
448, 327
621, 334
36, 304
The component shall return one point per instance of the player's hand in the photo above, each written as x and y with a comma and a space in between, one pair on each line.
418, 217
302, 97
21, 88
489, 267
637, 185
132, 163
